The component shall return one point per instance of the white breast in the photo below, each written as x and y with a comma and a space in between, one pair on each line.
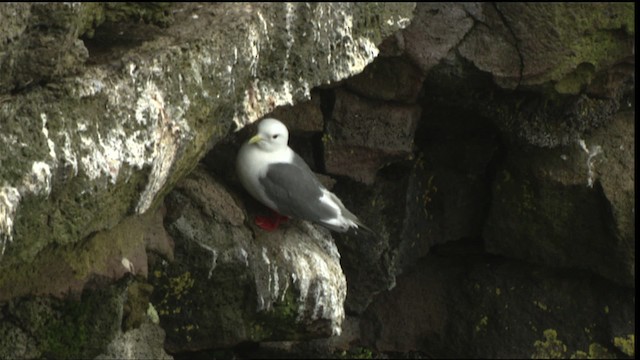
252, 164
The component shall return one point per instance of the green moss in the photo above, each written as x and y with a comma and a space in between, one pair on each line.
576, 81
354, 353
68, 337
94, 254
56, 268
591, 34
280, 321
72, 329
150, 12
69, 215
626, 345
528, 199
137, 305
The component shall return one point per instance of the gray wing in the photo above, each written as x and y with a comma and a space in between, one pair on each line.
296, 191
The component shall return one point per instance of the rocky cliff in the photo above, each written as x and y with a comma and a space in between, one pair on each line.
490, 147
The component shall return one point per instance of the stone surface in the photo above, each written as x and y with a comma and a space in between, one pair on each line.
489, 240
437, 29
70, 328
389, 79
15, 343
83, 325
110, 254
573, 62
305, 116
448, 191
504, 309
363, 136
110, 138
441, 196
229, 284
570, 206
145, 342
532, 44
41, 42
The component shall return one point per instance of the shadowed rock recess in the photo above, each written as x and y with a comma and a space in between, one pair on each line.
490, 146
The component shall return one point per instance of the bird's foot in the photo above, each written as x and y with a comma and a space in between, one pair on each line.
270, 223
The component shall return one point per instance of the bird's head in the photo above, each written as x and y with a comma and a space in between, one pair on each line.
272, 135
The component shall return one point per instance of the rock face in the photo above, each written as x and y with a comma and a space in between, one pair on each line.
489, 146
277, 286
502, 309
94, 146
562, 214
104, 107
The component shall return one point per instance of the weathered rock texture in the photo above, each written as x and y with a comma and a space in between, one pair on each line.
517, 150
105, 107
226, 286
88, 139
502, 309
490, 147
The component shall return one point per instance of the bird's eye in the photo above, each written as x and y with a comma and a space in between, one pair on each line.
274, 136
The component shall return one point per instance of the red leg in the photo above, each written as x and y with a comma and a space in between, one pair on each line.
270, 223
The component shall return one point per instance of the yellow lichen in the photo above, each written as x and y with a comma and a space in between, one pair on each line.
540, 305
626, 345
550, 348
597, 351
482, 324
181, 284
152, 314
579, 355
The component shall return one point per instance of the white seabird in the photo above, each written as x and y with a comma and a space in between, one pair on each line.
280, 179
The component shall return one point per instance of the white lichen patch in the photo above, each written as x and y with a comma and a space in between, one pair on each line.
92, 84
262, 97
104, 157
69, 157
45, 131
152, 314
591, 154
243, 255
104, 151
144, 136
254, 46
9, 200
340, 51
167, 135
149, 105
214, 257
301, 261
322, 287
400, 21
38, 181
359, 51
290, 18
128, 265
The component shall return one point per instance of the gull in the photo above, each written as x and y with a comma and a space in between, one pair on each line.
280, 179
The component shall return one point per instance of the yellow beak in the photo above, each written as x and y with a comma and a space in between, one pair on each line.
255, 139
